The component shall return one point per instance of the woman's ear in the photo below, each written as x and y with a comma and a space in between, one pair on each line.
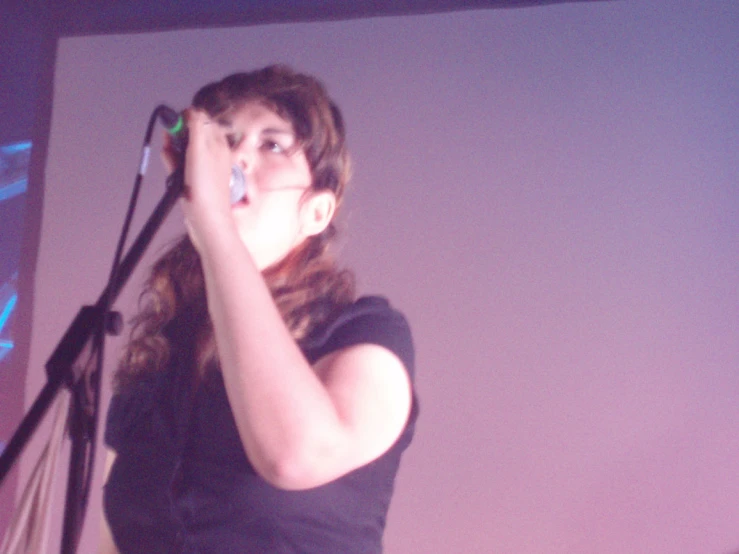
316, 213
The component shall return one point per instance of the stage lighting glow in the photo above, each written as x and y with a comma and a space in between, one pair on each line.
14, 163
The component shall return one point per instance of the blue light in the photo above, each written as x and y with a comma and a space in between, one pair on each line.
7, 310
15, 147
14, 160
5, 347
14, 189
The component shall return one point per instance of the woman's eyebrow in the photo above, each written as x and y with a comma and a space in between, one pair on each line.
277, 131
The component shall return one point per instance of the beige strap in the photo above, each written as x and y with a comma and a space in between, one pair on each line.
29, 529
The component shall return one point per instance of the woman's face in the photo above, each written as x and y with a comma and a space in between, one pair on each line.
278, 211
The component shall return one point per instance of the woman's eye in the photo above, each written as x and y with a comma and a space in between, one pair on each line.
273, 147
233, 140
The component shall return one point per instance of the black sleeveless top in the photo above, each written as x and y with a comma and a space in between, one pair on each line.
182, 483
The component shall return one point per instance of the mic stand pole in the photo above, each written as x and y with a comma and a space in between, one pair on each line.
61, 368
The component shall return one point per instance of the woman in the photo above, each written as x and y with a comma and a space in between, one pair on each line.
259, 407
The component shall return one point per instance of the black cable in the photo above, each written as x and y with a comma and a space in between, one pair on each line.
88, 388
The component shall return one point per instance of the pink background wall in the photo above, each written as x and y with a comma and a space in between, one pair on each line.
549, 193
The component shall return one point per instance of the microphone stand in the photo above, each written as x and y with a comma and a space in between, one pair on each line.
62, 368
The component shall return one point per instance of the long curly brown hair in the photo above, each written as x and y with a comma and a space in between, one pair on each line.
307, 286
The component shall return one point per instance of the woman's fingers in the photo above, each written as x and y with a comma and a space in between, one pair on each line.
207, 172
170, 156
207, 163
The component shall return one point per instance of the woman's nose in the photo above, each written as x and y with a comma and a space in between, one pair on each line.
245, 157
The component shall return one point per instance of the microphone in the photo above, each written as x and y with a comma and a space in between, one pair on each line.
174, 124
